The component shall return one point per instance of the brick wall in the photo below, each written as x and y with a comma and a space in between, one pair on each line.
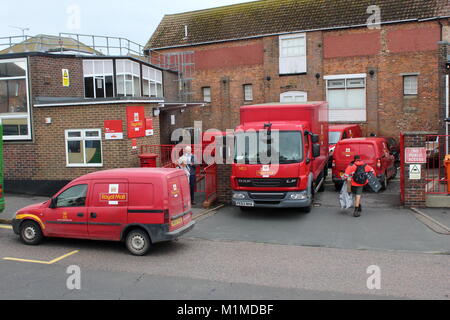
345, 51
44, 159
414, 193
46, 76
223, 183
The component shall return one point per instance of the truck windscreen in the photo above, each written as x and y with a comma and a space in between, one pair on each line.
256, 147
334, 137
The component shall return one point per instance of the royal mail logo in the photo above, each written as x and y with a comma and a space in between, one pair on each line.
113, 197
137, 124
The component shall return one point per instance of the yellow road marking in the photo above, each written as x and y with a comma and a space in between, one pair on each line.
5, 227
42, 262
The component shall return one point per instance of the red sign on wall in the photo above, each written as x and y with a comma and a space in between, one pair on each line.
415, 155
136, 121
148, 127
113, 129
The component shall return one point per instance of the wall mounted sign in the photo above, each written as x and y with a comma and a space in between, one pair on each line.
415, 172
136, 121
415, 155
66, 77
113, 129
149, 127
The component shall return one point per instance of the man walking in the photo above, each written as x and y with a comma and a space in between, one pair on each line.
356, 174
192, 171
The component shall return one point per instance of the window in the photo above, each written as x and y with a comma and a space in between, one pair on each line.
14, 102
98, 78
152, 82
410, 85
84, 148
292, 53
72, 197
128, 78
294, 96
206, 94
346, 96
248, 92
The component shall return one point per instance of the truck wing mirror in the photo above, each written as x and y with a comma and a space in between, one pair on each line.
316, 150
315, 138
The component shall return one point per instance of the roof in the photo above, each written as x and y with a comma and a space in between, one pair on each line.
265, 17
127, 173
48, 43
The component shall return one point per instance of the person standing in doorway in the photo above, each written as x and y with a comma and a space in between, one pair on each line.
356, 174
192, 172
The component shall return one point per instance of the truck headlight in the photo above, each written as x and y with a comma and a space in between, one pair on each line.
298, 196
238, 195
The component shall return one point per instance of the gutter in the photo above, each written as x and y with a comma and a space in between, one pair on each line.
63, 104
292, 32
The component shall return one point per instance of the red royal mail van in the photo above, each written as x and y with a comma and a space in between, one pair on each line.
373, 151
140, 206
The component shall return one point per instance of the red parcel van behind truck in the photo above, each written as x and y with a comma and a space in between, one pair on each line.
373, 151
338, 132
303, 155
140, 206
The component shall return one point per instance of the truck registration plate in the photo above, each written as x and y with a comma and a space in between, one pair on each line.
241, 203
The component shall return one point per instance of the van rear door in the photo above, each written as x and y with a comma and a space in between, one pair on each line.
179, 201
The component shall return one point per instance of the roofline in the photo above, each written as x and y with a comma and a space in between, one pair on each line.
50, 55
291, 32
159, 103
214, 8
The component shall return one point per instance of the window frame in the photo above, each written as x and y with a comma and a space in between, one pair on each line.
416, 77
124, 75
244, 87
346, 88
153, 82
284, 58
9, 116
283, 96
82, 139
96, 76
71, 187
204, 96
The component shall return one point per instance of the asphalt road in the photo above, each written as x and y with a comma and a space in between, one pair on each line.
205, 269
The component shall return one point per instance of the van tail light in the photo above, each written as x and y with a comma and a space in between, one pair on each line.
379, 163
333, 164
166, 217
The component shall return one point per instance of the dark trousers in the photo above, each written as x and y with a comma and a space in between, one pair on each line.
192, 183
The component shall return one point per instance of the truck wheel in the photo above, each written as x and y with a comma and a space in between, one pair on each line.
138, 242
30, 233
309, 208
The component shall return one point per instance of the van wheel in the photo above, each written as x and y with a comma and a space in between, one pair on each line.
30, 233
138, 242
338, 186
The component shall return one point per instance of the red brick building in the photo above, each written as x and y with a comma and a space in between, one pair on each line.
56, 105
386, 76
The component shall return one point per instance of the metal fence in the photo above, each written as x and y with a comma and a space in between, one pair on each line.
437, 147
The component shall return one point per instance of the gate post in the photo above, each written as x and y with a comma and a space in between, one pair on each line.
224, 183
414, 194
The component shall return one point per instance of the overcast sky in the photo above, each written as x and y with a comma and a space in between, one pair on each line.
132, 19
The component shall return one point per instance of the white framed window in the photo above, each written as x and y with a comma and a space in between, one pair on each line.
292, 53
294, 96
84, 148
410, 85
128, 78
152, 82
98, 78
206, 91
346, 96
248, 92
14, 101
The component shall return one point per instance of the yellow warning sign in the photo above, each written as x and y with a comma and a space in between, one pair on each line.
66, 77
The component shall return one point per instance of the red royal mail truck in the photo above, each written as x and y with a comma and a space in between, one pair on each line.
139, 206
302, 155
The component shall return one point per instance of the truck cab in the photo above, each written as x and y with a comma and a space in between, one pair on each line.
281, 152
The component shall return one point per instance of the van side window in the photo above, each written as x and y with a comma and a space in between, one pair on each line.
344, 135
73, 197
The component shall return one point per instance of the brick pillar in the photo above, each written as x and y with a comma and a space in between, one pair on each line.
223, 183
415, 189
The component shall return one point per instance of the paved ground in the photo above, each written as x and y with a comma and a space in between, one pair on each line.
442, 215
203, 269
262, 254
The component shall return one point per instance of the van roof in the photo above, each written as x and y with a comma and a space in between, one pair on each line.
338, 127
362, 140
127, 173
